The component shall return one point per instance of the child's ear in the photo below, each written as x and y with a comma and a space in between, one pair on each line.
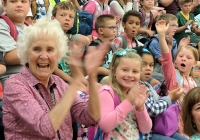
195, 63
123, 25
100, 31
52, 17
3, 5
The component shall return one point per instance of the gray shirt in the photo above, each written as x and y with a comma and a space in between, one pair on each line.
7, 43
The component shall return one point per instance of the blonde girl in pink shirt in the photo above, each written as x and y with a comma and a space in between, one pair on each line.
130, 116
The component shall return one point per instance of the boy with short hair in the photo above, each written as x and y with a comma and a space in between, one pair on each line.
185, 22
16, 12
131, 23
155, 47
65, 12
106, 28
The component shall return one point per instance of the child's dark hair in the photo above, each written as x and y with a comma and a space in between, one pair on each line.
101, 20
181, 2
131, 13
191, 98
142, 50
64, 6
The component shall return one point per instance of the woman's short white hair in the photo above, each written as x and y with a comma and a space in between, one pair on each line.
47, 28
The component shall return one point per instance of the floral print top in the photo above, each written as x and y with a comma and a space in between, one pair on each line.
127, 130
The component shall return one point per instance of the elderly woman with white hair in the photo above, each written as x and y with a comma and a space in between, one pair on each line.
39, 105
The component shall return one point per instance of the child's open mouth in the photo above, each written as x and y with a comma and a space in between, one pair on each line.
183, 65
147, 74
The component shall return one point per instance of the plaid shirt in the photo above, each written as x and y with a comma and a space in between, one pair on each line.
155, 105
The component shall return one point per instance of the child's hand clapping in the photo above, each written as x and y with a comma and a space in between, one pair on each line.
175, 92
137, 96
188, 22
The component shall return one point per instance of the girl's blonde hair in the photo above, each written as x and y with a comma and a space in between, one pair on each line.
195, 53
113, 66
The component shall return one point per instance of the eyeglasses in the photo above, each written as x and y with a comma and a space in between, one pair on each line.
110, 27
122, 52
173, 25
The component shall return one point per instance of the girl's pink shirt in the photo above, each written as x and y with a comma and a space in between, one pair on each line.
111, 117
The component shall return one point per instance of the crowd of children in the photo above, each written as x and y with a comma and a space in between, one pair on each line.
149, 53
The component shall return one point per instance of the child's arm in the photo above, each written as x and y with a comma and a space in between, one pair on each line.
111, 117
8, 45
167, 64
144, 121
2, 64
63, 75
2, 69
154, 82
75, 2
155, 107
149, 32
137, 95
11, 58
103, 71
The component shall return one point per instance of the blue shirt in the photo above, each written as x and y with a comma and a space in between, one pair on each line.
155, 48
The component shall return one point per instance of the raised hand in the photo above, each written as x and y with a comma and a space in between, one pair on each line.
161, 26
76, 66
74, 58
184, 41
95, 57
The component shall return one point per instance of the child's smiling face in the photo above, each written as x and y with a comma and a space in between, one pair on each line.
128, 72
